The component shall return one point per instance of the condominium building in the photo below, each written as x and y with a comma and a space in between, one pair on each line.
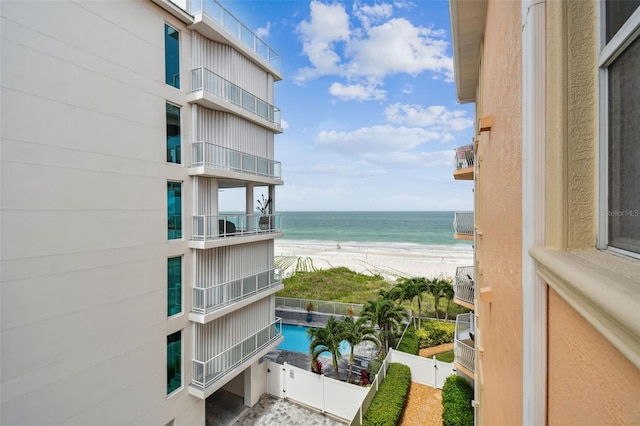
130, 289
554, 335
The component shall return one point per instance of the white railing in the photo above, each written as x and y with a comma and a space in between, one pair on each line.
210, 155
210, 227
464, 157
237, 29
206, 373
464, 285
321, 306
210, 298
203, 79
463, 346
463, 223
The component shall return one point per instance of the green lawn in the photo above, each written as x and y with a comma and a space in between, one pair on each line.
445, 356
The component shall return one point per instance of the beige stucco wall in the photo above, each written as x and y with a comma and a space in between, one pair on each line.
498, 219
590, 382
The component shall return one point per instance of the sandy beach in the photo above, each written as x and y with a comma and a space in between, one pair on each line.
392, 260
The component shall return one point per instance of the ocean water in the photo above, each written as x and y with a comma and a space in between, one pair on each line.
424, 228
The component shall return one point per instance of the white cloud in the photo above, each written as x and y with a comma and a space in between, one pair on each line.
378, 141
397, 46
366, 55
369, 15
435, 117
357, 92
328, 25
264, 32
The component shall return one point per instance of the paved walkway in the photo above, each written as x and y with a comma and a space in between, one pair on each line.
272, 411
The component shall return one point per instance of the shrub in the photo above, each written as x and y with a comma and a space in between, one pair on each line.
374, 366
386, 407
434, 333
457, 394
409, 342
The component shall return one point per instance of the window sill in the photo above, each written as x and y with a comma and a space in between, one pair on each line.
602, 287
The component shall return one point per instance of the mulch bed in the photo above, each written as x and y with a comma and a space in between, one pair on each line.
423, 407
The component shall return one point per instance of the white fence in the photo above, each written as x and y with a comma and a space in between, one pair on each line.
426, 371
347, 401
317, 391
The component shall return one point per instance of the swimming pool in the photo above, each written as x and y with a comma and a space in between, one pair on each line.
297, 340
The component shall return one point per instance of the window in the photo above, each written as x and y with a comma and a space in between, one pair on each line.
174, 362
172, 56
174, 210
620, 62
174, 286
173, 134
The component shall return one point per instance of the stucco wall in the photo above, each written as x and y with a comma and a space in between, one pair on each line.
498, 218
590, 382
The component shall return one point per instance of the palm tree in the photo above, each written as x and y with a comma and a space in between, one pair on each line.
436, 287
386, 315
356, 332
413, 288
327, 340
448, 294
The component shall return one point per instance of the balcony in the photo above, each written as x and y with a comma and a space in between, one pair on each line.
217, 17
464, 163
212, 160
211, 231
216, 300
463, 226
464, 287
464, 346
214, 92
208, 376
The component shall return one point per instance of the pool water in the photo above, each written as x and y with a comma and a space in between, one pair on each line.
297, 340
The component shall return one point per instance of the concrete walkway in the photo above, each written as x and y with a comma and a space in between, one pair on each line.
272, 411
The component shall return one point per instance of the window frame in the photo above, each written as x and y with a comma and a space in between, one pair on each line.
179, 107
181, 258
179, 388
165, 35
181, 211
608, 53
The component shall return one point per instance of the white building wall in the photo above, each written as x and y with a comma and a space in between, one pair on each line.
84, 237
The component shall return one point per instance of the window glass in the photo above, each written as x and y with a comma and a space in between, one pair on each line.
173, 134
618, 11
174, 283
172, 56
174, 361
174, 210
624, 149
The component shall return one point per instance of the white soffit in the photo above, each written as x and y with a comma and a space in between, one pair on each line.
467, 31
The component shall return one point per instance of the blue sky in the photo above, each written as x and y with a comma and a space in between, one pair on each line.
368, 104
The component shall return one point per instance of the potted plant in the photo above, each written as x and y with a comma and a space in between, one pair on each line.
309, 309
263, 207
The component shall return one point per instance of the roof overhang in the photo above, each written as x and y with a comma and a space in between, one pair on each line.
467, 30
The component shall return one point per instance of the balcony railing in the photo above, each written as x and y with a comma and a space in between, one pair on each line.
218, 157
203, 79
210, 298
237, 29
464, 157
209, 227
464, 347
206, 373
464, 285
463, 223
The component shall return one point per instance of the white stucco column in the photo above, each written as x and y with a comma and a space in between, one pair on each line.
534, 290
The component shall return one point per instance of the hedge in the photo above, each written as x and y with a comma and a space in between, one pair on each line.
386, 407
409, 342
434, 333
457, 394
